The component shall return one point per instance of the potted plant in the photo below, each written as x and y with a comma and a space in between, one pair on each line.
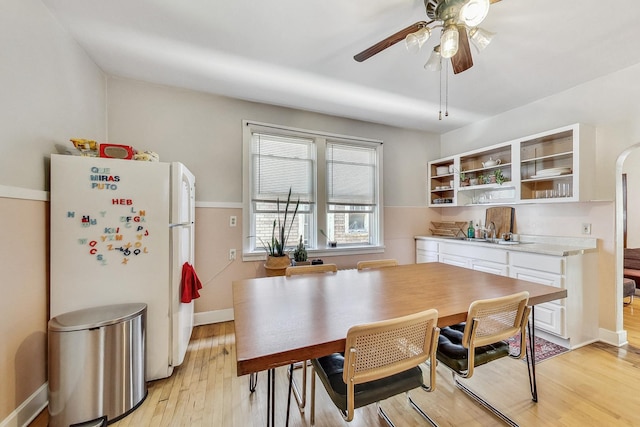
300, 254
277, 258
498, 177
464, 179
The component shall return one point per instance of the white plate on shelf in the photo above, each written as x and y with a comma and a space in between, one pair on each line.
548, 175
553, 171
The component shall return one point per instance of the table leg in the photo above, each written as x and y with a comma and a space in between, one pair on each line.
531, 356
289, 394
253, 381
271, 394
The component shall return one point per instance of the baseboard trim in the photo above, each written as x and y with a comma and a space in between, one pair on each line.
618, 338
208, 317
28, 410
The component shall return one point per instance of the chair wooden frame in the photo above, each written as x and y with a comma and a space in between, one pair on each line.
382, 349
310, 269
488, 322
377, 263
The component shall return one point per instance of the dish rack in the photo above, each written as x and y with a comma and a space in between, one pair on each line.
448, 228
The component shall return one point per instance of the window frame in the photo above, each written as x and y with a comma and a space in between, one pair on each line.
319, 210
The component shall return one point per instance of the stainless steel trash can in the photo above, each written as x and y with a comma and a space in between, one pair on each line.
96, 364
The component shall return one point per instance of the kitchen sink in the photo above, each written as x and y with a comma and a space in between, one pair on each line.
494, 241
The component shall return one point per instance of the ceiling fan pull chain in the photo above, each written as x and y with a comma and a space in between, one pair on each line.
446, 89
440, 78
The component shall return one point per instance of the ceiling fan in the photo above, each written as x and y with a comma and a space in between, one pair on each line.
454, 17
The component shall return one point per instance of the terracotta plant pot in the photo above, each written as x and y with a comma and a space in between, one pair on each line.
276, 265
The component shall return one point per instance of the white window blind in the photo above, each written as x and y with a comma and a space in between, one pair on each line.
281, 163
351, 175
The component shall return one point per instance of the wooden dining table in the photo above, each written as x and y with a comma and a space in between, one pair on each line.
282, 320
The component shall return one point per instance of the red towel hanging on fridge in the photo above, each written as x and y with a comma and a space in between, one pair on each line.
190, 283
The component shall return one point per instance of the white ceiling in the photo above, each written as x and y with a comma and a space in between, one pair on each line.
300, 53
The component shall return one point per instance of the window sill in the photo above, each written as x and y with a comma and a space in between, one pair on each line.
323, 252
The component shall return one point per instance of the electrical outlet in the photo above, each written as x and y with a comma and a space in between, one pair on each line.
233, 221
232, 254
586, 228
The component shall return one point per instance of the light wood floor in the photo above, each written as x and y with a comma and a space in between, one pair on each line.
597, 385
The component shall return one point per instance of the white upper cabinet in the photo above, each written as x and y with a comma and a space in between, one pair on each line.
549, 167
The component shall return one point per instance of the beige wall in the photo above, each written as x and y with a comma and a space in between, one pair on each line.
51, 91
24, 303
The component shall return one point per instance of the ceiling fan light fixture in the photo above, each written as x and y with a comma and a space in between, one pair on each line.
434, 63
414, 41
480, 38
474, 11
449, 41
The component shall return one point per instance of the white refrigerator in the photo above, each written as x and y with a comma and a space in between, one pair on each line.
121, 231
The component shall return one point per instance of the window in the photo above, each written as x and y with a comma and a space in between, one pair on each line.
335, 178
351, 193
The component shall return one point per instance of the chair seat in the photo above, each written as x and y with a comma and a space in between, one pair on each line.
330, 368
453, 354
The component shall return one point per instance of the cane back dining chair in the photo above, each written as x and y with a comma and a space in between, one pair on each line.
381, 360
376, 263
300, 393
480, 340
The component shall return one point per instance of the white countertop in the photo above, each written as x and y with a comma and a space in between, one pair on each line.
546, 245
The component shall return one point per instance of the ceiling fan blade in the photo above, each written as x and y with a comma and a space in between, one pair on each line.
494, 1
389, 41
462, 60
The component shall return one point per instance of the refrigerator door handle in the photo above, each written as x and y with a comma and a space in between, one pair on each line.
183, 224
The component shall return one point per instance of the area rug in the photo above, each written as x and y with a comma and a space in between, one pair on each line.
544, 349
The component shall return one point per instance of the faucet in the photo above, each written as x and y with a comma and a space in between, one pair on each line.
492, 228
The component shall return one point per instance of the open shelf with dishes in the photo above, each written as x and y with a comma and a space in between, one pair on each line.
553, 166
442, 182
488, 166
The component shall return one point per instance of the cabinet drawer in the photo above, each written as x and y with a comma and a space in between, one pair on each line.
454, 260
535, 276
474, 252
426, 256
490, 267
427, 245
551, 318
547, 263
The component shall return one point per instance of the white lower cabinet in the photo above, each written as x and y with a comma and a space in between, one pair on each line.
571, 321
574, 319
549, 316
426, 251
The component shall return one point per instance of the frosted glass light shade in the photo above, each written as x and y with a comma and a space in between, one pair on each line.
474, 12
434, 63
480, 37
414, 41
449, 41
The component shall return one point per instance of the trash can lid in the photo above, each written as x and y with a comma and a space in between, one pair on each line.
95, 317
